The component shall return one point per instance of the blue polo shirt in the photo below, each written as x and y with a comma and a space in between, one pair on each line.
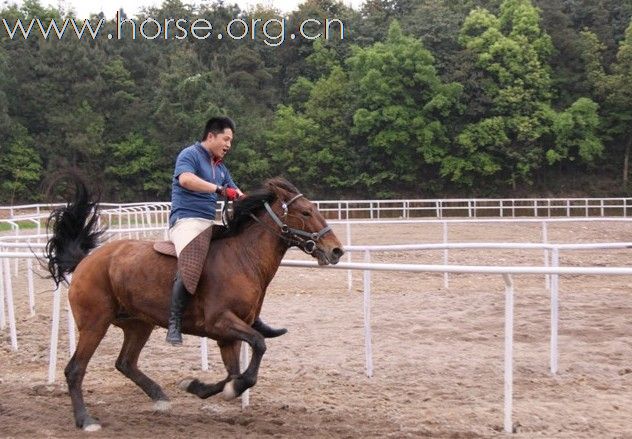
188, 204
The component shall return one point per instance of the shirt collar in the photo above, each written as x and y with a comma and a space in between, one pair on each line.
199, 146
213, 160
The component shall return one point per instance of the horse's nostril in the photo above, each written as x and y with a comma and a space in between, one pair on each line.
338, 252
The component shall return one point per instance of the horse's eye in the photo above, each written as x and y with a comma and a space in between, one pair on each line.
306, 213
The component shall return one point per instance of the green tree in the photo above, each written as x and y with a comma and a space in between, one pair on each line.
138, 171
118, 102
312, 146
5, 120
613, 90
292, 137
55, 97
20, 168
400, 103
291, 58
620, 97
575, 133
511, 140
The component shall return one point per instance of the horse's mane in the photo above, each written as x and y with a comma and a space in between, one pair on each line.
251, 205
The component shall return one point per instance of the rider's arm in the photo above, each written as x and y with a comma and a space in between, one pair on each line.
192, 182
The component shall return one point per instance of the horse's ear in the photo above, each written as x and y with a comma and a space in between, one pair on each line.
280, 187
282, 193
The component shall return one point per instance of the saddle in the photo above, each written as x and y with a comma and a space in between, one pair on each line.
192, 258
165, 248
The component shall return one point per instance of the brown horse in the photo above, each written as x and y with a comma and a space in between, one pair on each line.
128, 284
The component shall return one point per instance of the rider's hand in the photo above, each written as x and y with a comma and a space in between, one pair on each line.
231, 194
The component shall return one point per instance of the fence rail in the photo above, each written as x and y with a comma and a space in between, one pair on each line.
476, 208
158, 212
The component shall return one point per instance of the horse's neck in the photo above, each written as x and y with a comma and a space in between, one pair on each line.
264, 249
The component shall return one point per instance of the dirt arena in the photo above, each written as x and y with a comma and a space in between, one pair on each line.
438, 353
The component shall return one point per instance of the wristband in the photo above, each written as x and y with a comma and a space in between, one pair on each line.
219, 189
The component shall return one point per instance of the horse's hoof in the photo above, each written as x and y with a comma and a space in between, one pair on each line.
184, 384
229, 391
92, 427
162, 406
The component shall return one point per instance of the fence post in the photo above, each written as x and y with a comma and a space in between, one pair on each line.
54, 336
3, 316
29, 280
204, 352
555, 284
446, 278
509, 314
368, 349
8, 294
243, 361
349, 272
545, 240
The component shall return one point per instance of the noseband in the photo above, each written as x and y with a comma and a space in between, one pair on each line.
306, 241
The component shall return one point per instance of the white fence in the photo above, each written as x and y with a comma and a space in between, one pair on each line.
157, 213
477, 208
15, 247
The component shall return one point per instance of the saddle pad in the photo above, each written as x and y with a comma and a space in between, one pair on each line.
192, 259
166, 248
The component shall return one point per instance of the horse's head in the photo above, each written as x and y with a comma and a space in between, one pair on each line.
301, 224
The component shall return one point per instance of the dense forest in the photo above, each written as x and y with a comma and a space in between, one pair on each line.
415, 98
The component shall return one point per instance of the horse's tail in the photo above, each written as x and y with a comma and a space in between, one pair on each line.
75, 232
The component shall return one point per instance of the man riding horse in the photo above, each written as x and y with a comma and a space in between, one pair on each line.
200, 176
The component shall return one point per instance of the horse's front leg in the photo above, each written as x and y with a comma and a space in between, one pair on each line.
230, 330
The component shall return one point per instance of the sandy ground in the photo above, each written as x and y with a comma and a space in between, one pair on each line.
437, 352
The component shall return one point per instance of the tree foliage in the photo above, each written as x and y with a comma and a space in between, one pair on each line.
612, 88
408, 98
509, 142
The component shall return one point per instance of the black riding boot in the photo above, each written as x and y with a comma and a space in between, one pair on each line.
179, 299
266, 330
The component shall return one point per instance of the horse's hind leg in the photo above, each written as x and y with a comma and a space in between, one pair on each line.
136, 333
89, 339
230, 357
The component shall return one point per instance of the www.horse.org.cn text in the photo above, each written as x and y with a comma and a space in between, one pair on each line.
272, 31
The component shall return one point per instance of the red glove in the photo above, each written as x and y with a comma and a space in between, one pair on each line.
231, 194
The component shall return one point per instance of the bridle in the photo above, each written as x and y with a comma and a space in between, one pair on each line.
306, 241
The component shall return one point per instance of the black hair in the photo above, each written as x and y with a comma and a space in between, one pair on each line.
218, 124
76, 231
244, 208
